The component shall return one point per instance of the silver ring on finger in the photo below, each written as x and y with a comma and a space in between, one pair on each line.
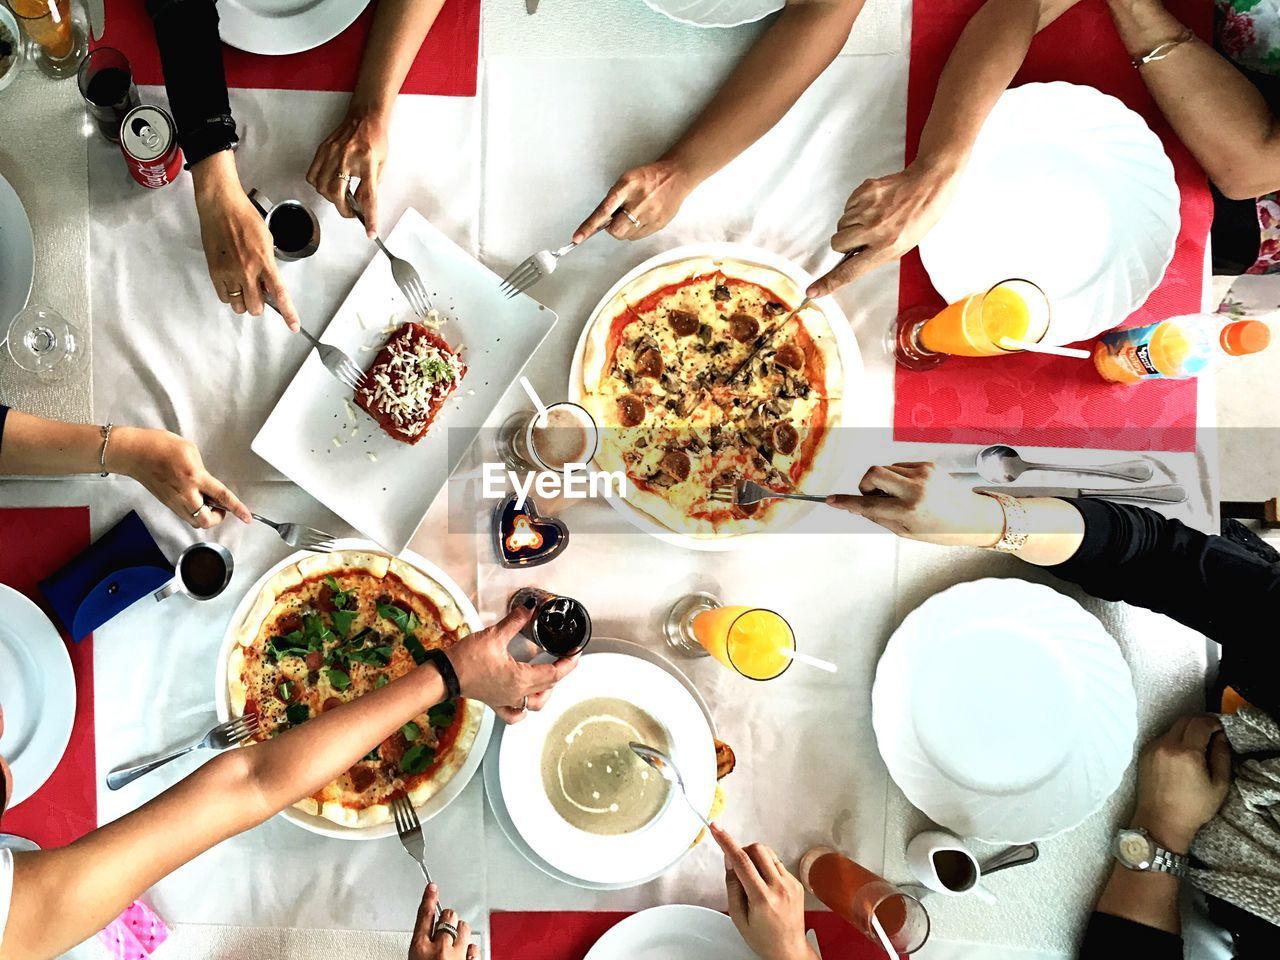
344, 177
195, 513
444, 926
629, 215
524, 704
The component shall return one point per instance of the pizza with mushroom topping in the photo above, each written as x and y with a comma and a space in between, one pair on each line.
331, 628
411, 377
700, 377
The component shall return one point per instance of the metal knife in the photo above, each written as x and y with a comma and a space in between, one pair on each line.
97, 17
531, 7
1161, 493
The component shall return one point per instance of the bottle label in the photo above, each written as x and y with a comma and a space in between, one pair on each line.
1128, 353
1142, 355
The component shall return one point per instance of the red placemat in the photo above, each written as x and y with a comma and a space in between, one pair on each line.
33, 544
1036, 399
445, 66
565, 935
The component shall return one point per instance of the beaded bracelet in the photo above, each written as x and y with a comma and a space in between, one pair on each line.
102, 456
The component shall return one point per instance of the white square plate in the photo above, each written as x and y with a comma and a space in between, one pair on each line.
385, 499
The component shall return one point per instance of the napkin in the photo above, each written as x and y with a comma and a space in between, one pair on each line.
135, 934
119, 568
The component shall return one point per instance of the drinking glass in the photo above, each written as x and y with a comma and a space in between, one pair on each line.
570, 436
45, 343
755, 642
13, 52
998, 321
60, 40
106, 83
866, 900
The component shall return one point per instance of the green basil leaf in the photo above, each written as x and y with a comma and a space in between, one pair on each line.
284, 691
361, 637
373, 656
412, 622
297, 713
372, 754
381, 682
417, 759
415, 648
389, 611
290, 645
337, 678
442, 714
340, 597
411, 731
342, 621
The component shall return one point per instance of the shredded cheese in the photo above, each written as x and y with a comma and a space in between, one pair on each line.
416, 375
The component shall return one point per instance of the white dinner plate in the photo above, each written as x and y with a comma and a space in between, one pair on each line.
1068, 188
277, 27
827, 463
37, 693
676, 931
1004, 711
451, 790
316, 437
17, 256
632, 858
716, 13
493, 785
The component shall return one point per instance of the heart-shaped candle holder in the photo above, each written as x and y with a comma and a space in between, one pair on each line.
524, 538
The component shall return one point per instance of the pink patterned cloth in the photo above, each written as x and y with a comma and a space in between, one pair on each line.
135, 934
1269, 235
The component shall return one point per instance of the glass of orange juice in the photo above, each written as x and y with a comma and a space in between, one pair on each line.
60, 42
755, 642
877, 908
1001, 320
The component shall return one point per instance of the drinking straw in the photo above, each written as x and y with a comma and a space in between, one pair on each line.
1008, 343
884, 937
799, 657
537, 401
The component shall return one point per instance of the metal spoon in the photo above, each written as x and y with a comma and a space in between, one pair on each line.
1002, 464
669, 772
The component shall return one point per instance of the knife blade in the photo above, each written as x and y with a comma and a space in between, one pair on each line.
531, 7
1161, 493
97, 17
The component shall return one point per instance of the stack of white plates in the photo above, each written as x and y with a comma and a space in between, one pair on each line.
513, 778
1004, 711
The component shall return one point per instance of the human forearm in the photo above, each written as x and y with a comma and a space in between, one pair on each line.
399, 27
766, 83
1213, 108
35, 446
1146, 897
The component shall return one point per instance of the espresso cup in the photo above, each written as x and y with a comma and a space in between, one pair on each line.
295, 231
203, 572
942, 862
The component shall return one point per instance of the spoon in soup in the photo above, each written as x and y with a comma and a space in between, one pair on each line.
669, 772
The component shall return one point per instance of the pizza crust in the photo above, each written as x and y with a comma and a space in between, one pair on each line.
420, 583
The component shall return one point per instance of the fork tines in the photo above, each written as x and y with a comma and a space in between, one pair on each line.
406, 817
724, 494
240, 729
522, 277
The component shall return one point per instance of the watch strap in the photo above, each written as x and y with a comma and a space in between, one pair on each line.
1166, 861
441, 661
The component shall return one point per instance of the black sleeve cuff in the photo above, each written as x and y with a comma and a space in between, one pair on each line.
1108, 937
191, 57
4, 413
1101, 529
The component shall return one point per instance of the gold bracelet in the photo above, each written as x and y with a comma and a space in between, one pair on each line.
102, 456
1014, 535
1163, 50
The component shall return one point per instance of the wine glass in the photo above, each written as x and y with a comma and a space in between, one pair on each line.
44, 343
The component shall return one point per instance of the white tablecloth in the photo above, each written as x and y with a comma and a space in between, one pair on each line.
509, 172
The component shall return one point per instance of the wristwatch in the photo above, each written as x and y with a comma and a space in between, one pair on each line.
1137, 851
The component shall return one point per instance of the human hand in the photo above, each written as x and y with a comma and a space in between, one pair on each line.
1183, 778
487, 672
651, 193
172, 471
920, 502
443, 946
766, 903
357, 148
6, 775
237, 243
884, 219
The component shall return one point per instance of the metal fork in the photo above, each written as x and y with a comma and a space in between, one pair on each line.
300, 536
221, 737
534, 269
402, 271
337, 362
748, 492
410, 831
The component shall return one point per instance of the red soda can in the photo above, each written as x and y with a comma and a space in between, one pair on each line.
149, 142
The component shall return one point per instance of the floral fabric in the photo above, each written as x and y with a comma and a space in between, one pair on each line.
1249, 35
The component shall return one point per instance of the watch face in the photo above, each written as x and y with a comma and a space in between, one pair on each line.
1135, 849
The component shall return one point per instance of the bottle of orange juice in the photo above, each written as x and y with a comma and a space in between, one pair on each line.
1177, 348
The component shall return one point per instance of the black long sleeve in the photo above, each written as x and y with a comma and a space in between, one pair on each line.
1109, 937
191, 56
4, 414
1207, 582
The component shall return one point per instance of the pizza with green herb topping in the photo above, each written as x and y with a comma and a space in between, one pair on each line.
331, 628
